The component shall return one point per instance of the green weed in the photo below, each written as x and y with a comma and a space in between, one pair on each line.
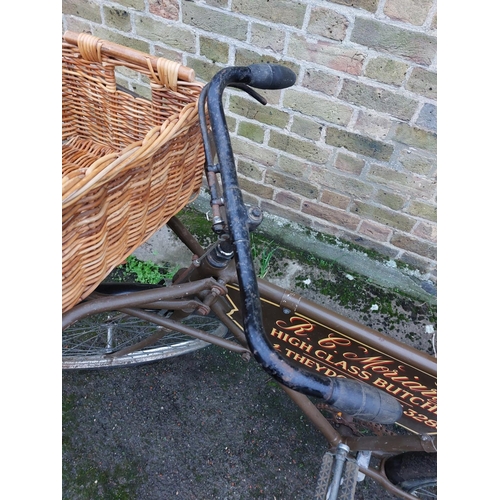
262, 255
146, 271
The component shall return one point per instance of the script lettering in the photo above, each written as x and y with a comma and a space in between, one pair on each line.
331, 342
301, 328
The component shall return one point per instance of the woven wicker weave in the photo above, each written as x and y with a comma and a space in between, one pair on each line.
129, 164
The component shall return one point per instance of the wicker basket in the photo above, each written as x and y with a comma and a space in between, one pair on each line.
129, 163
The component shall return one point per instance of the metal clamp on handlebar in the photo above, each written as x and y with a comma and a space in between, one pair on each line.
350, 396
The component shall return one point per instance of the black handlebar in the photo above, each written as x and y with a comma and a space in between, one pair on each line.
353, 397
270, 76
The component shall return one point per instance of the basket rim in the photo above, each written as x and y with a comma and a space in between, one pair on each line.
93, 47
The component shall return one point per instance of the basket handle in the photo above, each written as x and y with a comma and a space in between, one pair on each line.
131, 55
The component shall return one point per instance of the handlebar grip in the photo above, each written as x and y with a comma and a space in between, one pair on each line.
271, 76
362, 401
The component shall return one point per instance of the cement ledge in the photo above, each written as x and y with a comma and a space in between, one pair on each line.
385, 274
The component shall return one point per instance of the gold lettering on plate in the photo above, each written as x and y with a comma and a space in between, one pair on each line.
336, 356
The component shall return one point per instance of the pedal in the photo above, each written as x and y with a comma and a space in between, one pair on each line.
349, 480
341, 485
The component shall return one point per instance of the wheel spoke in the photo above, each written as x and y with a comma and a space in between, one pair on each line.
425, 492
90, 341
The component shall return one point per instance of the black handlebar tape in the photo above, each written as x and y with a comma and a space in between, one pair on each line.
270, 76
365, 402
349, 396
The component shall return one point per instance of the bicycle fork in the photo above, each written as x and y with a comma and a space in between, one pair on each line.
340, 457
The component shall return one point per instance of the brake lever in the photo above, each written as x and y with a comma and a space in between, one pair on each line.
250, 91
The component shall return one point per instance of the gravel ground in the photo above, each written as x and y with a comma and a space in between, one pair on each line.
208, 425
203, 426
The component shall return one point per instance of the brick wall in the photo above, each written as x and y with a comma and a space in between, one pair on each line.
350, 150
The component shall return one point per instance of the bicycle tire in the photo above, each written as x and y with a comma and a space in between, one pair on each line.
89, 343
415, 473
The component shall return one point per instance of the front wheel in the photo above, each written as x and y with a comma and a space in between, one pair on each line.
93, 342
415, 473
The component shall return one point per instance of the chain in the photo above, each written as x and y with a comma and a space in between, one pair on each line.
337, 418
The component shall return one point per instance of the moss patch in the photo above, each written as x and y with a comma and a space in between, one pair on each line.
91, 481
332, 280
198, 225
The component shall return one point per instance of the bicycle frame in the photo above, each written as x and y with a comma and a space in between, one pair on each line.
308, 334
307, 331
